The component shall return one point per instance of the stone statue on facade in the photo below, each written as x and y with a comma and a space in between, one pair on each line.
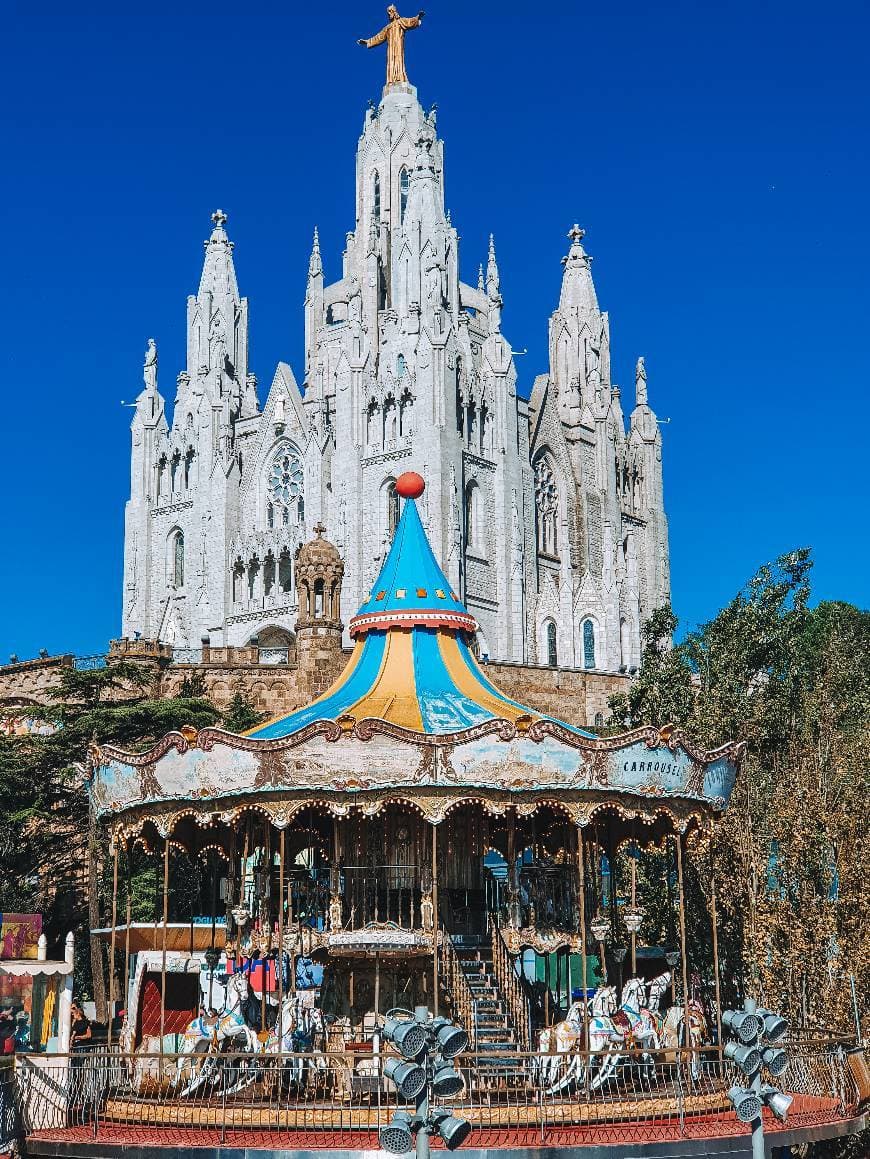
150, 369
640, 382
394, 35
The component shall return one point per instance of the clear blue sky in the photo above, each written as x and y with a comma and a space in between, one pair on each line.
717, 156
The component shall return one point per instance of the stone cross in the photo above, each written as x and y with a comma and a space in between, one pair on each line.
319, 529
219, 218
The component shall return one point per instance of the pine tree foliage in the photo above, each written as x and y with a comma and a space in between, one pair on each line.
240, 714
790, 856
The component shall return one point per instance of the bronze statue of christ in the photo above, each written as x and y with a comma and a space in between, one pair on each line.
394, 35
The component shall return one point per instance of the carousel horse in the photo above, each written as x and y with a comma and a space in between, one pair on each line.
566, 1038
674, 1032
297, 1031
209, 1032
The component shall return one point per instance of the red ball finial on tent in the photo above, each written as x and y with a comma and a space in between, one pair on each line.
410, 485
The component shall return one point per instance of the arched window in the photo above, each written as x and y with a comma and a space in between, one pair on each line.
173, 472
599, 720
285, 571
238, 579
269, 575
392, 509
285, 481
588, 644
406, 413
404, 186
625, 643
400, 366
188, 468
376, 196
552, 651
253, 572
475, 534
547, 507
318, 599
176, 560
390, 419
460, 405
270, 515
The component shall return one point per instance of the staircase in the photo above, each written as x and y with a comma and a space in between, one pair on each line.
485, 1011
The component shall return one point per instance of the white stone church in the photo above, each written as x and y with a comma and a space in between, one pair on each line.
548, 514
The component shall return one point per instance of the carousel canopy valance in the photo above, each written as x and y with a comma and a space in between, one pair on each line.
412, 717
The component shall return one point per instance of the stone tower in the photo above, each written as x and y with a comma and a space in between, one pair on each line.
319, 572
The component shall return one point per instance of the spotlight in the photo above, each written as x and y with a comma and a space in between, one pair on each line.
746, 1103
451, 1039
747, 1058
775, 1026
745, 1025
453, 1130
775, 1060
407, 1036
397, 1138
446, 1080
409, 1077
778, 1102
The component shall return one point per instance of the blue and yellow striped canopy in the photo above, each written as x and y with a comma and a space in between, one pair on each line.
411, 665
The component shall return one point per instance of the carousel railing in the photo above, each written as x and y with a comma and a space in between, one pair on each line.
510, 987
456, 986
341, 1099
373, 894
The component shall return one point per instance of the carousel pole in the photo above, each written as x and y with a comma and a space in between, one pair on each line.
714, 915
112, 943
280, 958
581, 867
634, 906
129, 918
685, 966
436, 927
163, 953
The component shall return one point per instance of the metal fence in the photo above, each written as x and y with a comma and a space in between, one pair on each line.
89, 663
340, 1099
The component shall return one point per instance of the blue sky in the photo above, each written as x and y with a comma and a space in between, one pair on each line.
717, 157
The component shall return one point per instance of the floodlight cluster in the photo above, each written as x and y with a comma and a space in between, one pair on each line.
753, 1049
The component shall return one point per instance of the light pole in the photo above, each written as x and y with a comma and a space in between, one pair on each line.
428, 1046
756, 1031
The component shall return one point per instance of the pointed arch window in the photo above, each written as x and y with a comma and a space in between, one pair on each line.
285, 571
404, 186
176, 559
400, 366
588, 644
269, 575
475, 534
406, 413
552, 649
238, 579
376, 196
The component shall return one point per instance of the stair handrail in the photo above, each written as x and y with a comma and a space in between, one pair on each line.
464, 1006
511, 988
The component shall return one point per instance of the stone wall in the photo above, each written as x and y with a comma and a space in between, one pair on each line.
28, 681
570, 694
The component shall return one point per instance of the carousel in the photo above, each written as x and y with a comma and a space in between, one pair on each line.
411, 837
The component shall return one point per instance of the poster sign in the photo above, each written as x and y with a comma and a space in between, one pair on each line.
19, 936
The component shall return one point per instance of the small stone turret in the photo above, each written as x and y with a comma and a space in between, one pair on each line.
319, 572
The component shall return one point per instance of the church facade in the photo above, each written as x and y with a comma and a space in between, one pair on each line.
547, 514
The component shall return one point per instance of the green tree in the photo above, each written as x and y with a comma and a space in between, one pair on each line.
49, 848
240, 714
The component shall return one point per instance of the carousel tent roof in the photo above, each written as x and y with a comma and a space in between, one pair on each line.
411, 665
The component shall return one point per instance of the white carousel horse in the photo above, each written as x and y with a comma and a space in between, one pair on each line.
298, 1029
657, 989
207, 1033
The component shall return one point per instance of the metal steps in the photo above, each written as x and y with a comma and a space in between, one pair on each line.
494, 1032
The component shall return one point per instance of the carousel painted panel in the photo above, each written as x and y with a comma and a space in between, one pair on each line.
550, 764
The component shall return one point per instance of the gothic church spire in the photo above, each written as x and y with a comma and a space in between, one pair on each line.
577, 287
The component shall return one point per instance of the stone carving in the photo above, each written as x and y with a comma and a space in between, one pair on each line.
150, 368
